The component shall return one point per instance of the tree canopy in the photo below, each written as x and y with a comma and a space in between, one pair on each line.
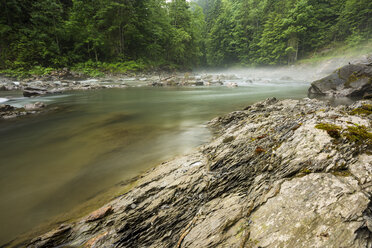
178, 33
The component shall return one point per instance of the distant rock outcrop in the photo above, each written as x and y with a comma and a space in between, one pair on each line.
11, 112
278, 174
353, 80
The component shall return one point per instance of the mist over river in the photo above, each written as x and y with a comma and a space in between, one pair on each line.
52, 163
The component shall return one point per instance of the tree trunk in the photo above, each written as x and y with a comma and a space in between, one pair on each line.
294, 43
55, 33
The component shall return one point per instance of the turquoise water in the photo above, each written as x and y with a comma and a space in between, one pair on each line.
51, 163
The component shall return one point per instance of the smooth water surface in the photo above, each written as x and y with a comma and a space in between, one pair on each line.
51, 163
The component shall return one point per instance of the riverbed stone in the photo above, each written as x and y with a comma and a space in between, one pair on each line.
34, 106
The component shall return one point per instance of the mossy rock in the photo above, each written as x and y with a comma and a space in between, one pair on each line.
366, 110
353, 78
331, 129
358, 134
341, 173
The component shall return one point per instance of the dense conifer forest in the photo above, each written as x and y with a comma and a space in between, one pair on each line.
120, 35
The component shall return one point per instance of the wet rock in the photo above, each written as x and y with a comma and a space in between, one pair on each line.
231, 85
213, 83
10, 112
352, 80
34, 91
99, 214
34, 106
156, 84
51, 238
4, 108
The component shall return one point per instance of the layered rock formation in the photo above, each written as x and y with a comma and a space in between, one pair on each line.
278, 174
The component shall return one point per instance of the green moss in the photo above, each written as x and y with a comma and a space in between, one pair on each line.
341, 173
353, 78
358, 134
366, 109
305, 171
341, 170
332, 130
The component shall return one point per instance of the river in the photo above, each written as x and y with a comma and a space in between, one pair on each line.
53, 163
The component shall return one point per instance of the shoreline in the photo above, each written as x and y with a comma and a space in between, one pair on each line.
258, 156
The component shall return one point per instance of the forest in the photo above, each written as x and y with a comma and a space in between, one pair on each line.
121, 35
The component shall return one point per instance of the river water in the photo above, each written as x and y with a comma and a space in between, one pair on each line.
52, 163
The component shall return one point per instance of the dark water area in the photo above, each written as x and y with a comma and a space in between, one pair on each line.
51, 163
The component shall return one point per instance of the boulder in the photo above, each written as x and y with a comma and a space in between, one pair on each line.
232, 85
353, 80
34, 91
156, 84
34, 106
5, 108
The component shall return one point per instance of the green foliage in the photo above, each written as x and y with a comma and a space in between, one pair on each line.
283, 31
23, 73
174, 34
54, 33
97, 69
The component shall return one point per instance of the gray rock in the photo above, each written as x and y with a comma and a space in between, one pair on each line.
231, 85
34, 106
156, 84
5, 107
10, 112
353, 80
34, 91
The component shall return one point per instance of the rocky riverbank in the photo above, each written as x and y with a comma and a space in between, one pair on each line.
290, 173
10, 112
47, 85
